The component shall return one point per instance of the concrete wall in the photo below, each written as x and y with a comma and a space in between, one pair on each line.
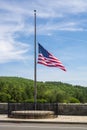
63, 109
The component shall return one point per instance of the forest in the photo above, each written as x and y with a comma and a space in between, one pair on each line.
17, 89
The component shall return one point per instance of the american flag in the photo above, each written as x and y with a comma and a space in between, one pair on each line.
47, 59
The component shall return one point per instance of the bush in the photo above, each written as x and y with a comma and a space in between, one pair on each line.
73, 100
42, 101
29, 100
38, 101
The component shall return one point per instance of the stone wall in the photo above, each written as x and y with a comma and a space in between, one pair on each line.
63, 109
3, 108
72, 109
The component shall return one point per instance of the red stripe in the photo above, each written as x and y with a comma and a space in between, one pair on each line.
51, 61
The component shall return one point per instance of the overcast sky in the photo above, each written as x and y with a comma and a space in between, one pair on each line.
61, 29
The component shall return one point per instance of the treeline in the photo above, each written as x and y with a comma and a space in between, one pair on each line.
14, 89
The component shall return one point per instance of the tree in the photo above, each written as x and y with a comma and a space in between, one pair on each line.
4, 97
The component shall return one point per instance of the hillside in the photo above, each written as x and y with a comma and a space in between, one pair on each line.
15, 89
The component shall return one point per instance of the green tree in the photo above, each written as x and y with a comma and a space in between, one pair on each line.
4, 97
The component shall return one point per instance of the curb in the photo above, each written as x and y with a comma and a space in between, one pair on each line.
44, 122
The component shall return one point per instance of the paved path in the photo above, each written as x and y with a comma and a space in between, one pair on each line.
59, 119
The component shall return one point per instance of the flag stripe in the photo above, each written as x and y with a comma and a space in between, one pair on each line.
47, 59
50, 64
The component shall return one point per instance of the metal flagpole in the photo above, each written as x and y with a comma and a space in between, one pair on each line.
35, 86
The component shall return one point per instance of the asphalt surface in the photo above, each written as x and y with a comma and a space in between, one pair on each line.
39, 126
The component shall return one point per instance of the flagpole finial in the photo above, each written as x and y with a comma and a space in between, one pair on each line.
35, 11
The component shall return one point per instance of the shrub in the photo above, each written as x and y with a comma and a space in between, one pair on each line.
74, 100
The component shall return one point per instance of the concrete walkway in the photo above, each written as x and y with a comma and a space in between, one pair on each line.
59, 119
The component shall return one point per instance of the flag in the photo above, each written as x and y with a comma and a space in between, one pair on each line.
47, 59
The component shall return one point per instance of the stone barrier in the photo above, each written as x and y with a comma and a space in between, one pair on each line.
3, 108
32, 114
72, 109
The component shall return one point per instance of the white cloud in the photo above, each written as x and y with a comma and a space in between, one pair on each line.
15, 14
61, 26
10, 51
59, 8
11, 23
45, 9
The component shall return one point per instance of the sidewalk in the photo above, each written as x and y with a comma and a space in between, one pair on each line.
59, 119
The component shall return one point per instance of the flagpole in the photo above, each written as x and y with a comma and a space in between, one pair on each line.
35, 86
